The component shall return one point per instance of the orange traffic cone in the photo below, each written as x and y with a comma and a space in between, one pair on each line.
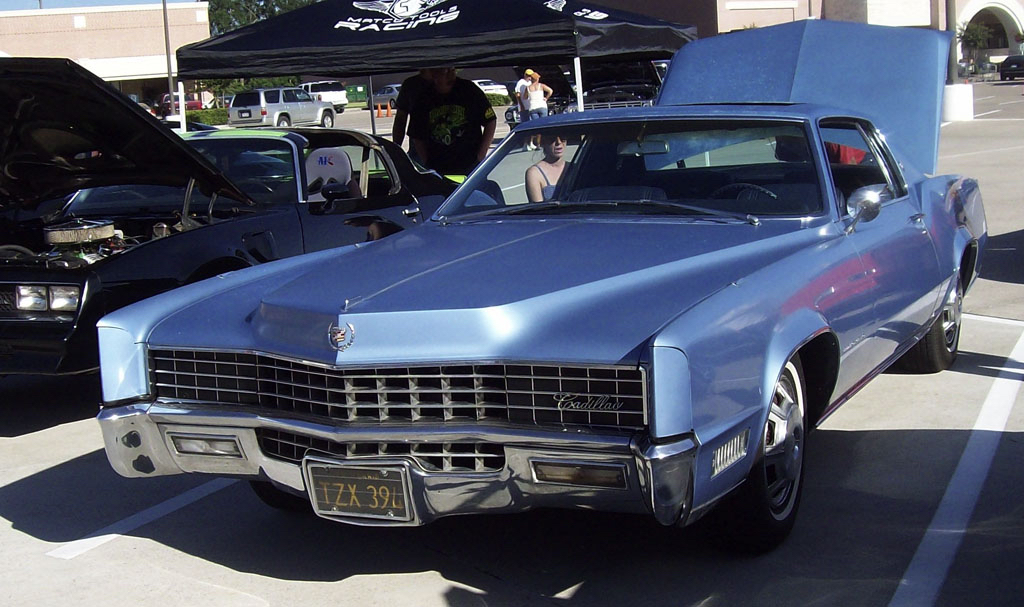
389, 110
378, 111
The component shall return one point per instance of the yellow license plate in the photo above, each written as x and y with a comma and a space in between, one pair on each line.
361, 491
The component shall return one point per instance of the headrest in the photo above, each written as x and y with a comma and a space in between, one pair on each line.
324, 166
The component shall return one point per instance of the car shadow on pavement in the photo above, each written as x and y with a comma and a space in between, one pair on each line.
29, 403
868, 498
1001, 261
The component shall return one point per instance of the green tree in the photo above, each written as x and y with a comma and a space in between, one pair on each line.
228, 15
973, 36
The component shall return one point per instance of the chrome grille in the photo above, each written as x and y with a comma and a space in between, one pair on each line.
7, 299
598, 397
433, 457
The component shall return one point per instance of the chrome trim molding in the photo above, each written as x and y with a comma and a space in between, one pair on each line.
658, 477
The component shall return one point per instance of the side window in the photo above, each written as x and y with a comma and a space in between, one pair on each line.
290, 96
272, 96
302, 96
856, 158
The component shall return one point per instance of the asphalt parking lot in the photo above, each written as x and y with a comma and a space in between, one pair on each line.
914, 492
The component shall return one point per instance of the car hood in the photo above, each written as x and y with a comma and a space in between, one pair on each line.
509, 290
828, 63
65, 130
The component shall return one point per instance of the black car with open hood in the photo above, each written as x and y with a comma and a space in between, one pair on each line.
101, 205
606, 84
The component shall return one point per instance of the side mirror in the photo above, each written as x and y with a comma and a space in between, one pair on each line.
866, 202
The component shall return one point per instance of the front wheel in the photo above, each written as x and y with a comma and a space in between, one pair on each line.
327, 121
761, 513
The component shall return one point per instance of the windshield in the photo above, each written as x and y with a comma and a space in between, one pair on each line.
664, 167
262, 168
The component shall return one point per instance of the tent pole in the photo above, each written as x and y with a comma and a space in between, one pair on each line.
373, 120
578, 67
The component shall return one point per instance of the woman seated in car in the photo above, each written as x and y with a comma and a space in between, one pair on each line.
542, 177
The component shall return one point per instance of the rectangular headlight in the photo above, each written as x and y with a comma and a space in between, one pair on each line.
64, 299
31, 297
223, 446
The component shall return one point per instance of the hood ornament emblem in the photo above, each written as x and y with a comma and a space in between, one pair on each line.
340, 337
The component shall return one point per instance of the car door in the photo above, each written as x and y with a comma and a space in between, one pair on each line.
308, 108
385, 207
292, 106
900, 262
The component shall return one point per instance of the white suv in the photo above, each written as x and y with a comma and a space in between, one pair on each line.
331, 91
279, 107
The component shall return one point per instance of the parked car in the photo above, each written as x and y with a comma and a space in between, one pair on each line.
134, 225
331, 91
606, 85
385, 96
491, 87
707, 280
1012, 67
192, 102
279, 107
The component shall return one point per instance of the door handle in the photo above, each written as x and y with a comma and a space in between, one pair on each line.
918, 217
411, 211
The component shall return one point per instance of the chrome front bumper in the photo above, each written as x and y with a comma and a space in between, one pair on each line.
658, 477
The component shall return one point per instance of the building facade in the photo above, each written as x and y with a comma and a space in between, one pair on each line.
124, 45
1003, 18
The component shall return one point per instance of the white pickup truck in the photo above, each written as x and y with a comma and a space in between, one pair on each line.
331, 91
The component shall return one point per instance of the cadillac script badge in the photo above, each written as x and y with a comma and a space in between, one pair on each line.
341, 336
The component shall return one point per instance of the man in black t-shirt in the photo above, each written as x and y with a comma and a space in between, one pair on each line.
411, 89
452, 124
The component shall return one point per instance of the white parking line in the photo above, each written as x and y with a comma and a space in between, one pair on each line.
928, 569
1012, 102
984, 98
123, 526
995, 319
992, 151
986, 113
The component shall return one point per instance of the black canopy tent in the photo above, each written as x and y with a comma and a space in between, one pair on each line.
345, 38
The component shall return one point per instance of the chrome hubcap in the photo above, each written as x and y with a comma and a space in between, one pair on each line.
784, 443
952, 312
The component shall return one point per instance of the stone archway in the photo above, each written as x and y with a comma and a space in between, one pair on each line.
1004, 19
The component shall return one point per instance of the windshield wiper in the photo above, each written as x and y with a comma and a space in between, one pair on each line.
667, 204
535, 207
518, 209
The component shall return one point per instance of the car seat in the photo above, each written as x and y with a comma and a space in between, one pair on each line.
325, 166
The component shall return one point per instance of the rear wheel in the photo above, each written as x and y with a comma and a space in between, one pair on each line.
938, 348
284, 121
761, 513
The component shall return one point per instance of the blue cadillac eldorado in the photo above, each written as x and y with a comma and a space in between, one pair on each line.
647, 314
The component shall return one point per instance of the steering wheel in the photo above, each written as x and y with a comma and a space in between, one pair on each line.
741, 186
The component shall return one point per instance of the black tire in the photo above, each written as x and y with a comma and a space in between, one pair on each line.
391, 103
279, 499
327, 120
759, 515
284, 121
938, 348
